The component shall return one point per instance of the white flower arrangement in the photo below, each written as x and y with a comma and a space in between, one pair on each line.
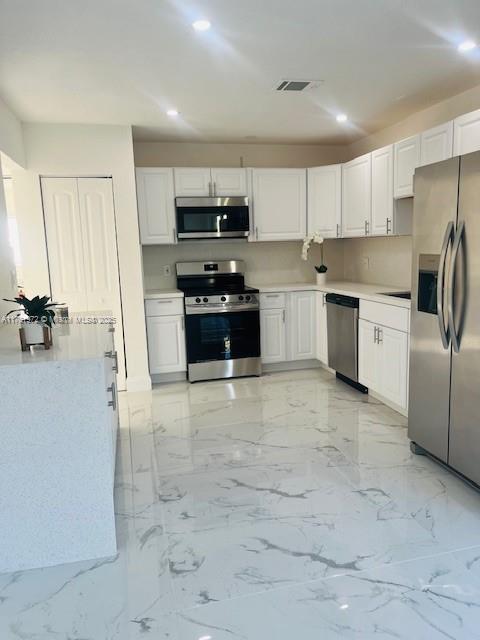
317, 239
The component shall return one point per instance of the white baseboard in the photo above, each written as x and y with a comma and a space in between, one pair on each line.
390, 404
140, 383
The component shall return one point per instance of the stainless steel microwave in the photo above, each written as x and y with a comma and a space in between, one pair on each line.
221, 217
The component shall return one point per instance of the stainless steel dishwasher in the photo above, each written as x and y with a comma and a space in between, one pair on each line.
342, 329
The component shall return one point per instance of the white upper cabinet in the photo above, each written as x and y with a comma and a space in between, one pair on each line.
466, 134
156, 206
324, 188
279, 200
193, 181
437, 144
382, 191
357, 196
203, 181
407, 159
229, 182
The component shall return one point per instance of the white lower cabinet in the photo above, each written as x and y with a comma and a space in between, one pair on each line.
273, 335
383, 361
287, 326
321, 325
302, 325
166, 336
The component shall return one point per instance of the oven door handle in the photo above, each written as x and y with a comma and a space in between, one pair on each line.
198, 309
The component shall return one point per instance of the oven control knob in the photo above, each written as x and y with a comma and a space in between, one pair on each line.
247, 298
197, 300
223, 299
240, 297
205, 299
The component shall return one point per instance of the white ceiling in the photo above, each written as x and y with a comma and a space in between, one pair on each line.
127, 61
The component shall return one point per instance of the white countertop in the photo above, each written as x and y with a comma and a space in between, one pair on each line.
73, 341
373, 292
158, 294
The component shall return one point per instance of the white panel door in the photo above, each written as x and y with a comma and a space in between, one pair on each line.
437, 144
357, 196
466, 136
407, 159
64, 242
302, 325
192, 181
156, 205
279, 200
166, 344
393, 348
324, 205
102, 281
273, 335
382, 191
368, 356
322, 335
229, 182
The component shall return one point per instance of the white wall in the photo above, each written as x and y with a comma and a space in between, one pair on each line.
8, 288
86, 150
193, 154
11, 138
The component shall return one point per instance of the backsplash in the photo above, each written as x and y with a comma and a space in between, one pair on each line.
368, 260
266, 262
379, 260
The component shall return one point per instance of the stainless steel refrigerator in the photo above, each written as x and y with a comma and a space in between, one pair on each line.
444, 394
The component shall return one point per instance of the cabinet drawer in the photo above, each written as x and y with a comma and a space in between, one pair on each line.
272, 301
164, 307
385, 314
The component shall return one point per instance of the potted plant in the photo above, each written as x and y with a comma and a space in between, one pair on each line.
321, 269
37, 317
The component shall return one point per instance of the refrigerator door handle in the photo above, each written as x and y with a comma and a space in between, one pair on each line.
444, 332
451, 282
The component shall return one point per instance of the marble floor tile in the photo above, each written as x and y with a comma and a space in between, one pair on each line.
275, 507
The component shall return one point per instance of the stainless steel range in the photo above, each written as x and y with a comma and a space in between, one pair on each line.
222, 320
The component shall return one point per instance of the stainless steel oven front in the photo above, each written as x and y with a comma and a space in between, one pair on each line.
222, 337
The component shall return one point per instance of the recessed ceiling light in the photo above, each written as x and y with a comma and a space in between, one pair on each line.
342, 117
201, 25
172, 113
468, 45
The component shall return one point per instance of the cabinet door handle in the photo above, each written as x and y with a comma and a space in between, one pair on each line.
379, 336
164, 301
174, 235
375, 329
338, 230
256, 233
389, 228
114, 356
272, 295
111, 330
283, 316
113, 402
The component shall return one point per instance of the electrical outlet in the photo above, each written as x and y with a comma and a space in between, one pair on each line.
167, 271
366, 262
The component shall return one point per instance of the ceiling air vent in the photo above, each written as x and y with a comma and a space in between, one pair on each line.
297, 85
